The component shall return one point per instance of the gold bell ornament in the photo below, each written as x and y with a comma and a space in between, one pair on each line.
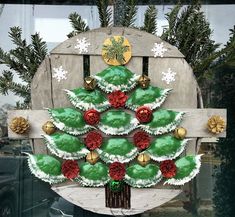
180, 133
144, 81
19, 125
89, 83
49, 128
143, 159
92, 157
216, 124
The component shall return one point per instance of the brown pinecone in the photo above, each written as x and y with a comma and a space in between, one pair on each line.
19, 125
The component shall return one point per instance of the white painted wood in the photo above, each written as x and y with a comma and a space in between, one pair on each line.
184, 88
195, 121
93, 199
141, 42
73, 64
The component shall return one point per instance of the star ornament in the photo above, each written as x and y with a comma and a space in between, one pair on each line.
158, 49
168, 76
59, 74
82, 45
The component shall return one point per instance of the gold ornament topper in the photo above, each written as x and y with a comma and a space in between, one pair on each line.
216, 124
116, 51
19, 125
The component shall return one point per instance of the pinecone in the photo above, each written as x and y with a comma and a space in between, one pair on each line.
19, 125
216, 124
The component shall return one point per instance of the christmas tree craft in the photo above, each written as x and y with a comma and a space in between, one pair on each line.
152, 136
113, 103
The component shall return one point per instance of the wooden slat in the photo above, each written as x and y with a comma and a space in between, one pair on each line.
73, 64
184, 93
141, 42
41, 96
141, 199
97, 64
194, 121
135, 65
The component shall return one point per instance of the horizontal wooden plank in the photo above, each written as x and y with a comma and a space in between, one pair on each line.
141, 42
141, 199
194, 121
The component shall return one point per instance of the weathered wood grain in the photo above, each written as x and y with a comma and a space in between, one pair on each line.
73, 64
194, 121
141, 42
41, 97
41, 86
93, 199
184, 93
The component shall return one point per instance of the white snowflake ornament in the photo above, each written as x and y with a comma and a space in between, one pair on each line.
168, 76
82, 45
158, 49
59, 74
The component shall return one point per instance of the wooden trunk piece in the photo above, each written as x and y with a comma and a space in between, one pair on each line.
120, 199
198, 117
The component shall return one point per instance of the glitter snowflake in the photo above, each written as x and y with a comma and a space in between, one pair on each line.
158, 49
82, 45
168, 76
59, 74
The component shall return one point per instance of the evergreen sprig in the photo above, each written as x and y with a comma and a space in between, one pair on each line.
115, 50
105, 13
150, 20
23, 61
78, 24
130, 12
190, 32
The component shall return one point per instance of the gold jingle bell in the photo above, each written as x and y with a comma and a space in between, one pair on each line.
143, 159
180, 133
19, 125
144, 81
49, 128
92, 157
89, 83
216, 124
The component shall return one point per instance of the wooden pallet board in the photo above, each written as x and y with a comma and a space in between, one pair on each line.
198, 117
47, 92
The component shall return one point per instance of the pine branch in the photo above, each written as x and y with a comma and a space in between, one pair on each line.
23, 60
15, 35
39, 47
7, 84
5, 79
105, 13
129, 14
150, 17
78, 24
190, 32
